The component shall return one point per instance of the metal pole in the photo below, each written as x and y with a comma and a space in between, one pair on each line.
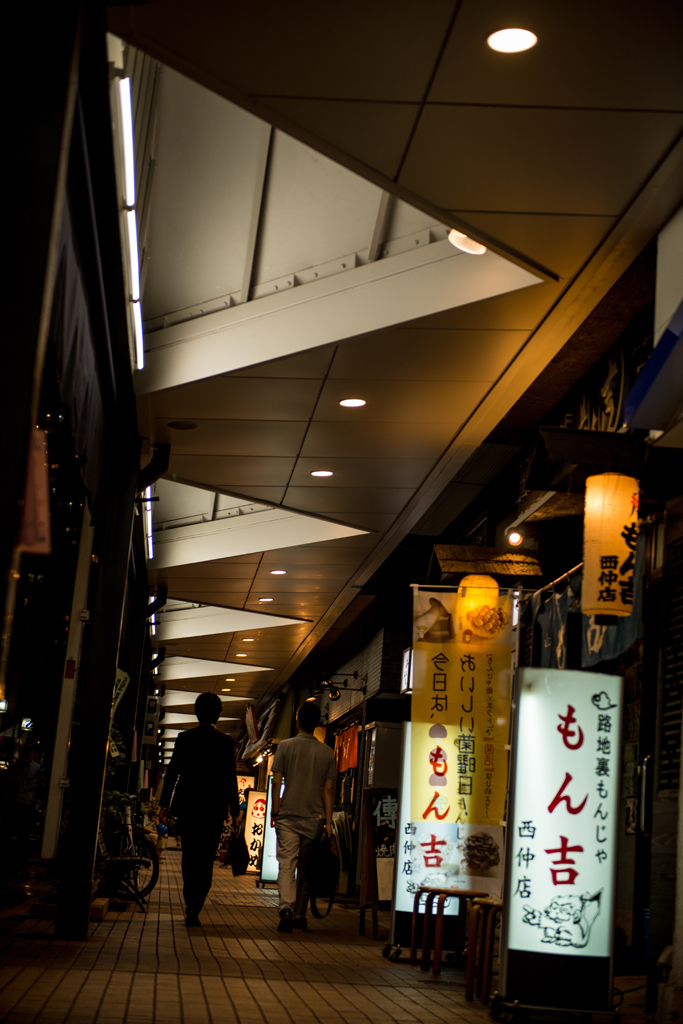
79, 616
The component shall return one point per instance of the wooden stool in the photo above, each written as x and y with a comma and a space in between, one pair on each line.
480, 943
431, 893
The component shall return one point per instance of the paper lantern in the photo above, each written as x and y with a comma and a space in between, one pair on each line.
610, 530
479, 615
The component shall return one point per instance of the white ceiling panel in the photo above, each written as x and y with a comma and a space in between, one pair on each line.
240, 473
428, 401
194, 668
181, 698
258, 531
233, 398
207, 620
314, 211
434, 351
374, 473
611, 71
384, 440
402, 287
176, 718
234, 437
586, 162
206, 159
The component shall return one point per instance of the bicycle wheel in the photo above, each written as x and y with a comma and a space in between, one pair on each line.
134, 844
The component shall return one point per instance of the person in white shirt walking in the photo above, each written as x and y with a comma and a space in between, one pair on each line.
303, 813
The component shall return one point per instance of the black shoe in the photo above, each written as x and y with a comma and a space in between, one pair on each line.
286, 921
299, 922
192, 919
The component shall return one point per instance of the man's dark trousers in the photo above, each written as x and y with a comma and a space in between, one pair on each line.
199, 838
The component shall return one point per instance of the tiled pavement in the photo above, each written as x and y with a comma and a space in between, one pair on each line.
236, 969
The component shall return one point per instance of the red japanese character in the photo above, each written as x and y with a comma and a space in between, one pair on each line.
567, 732
438, 759
571, 873
558, 798
433, 807
432, 856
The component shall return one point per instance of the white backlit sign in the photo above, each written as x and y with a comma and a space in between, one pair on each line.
442, 854
269, 863
563, 820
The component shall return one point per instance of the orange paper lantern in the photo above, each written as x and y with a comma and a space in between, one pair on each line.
610, 529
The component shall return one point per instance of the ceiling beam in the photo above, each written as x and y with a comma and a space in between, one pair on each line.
379, 229
389, 291
259, 182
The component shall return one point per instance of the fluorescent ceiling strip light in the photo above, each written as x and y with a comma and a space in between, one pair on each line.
149, 526
139, 336
133, 257
126, 105
198, 668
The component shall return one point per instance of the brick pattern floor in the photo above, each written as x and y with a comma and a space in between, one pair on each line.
149, 968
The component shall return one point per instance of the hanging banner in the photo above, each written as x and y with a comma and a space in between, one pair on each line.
561, 853
461, 705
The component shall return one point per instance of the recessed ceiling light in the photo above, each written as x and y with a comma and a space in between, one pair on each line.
248, 639
322, 472
515, 538
352, 403
226, 689
512, 40
465, 243
230, 680
264, 600
278, 572
240, 655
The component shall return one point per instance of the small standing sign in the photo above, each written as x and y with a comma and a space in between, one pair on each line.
254, 829
561, 840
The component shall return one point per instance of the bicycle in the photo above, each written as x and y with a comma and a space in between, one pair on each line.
128, 861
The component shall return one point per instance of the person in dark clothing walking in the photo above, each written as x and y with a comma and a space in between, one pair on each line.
200, 789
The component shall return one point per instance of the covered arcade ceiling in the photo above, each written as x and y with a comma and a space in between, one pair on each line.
298, 171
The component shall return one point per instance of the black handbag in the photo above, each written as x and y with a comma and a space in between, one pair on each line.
322, 874
238, 854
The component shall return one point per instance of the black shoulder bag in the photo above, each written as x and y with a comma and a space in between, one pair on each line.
322, 873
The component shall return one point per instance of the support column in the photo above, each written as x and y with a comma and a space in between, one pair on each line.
91, 745
58, 775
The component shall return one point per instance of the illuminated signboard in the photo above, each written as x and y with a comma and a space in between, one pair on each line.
254, 829
561, 852
442, 854
244, 783
269, 864
461, 704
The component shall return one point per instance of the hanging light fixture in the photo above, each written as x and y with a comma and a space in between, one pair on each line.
479, 616
610, 530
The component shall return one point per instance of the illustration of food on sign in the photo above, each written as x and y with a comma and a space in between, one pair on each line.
480, 852
435, 625
486, 622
